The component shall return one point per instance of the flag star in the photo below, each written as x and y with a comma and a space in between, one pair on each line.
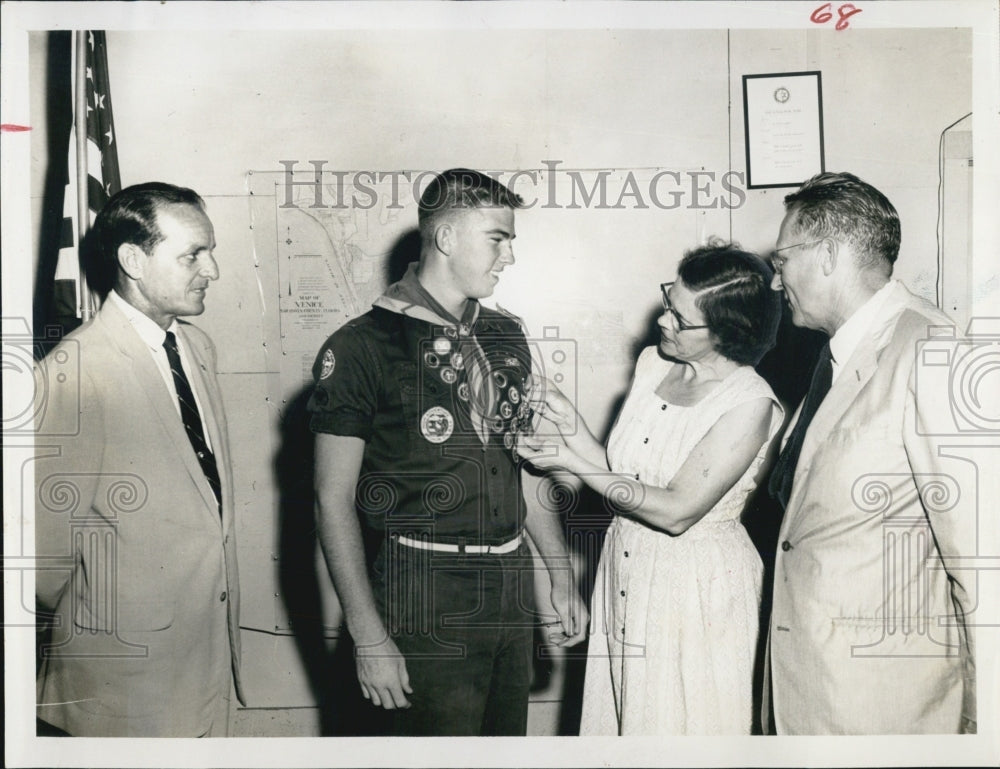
90, 39
90, 73
110, 135
99, 100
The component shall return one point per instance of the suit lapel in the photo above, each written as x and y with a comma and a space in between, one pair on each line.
154, 389
852, 378
208, 394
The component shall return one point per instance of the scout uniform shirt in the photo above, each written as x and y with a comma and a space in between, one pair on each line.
439, 403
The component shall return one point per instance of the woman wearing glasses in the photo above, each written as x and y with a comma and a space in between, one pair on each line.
676, 599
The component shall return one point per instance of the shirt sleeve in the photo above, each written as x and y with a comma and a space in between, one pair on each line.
346, 394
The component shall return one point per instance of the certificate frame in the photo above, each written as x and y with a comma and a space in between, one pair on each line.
783, 126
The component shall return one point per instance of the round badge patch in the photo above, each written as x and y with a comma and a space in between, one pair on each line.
442, 346
437, 424
500, 379
506, 410
463, 391
514, 395
431, 360
327, 365
448, 375
457, 361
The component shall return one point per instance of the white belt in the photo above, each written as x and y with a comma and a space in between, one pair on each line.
444, 547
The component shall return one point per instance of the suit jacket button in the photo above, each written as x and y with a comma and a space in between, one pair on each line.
786, 545
223, 596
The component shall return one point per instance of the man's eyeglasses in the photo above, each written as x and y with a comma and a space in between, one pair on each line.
777, 262
682, 325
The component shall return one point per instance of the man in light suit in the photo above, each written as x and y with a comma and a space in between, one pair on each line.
871, 627
134, 533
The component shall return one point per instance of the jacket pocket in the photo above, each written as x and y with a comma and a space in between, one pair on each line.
146, 615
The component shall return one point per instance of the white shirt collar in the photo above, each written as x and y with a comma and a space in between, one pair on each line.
849, 336
144, 326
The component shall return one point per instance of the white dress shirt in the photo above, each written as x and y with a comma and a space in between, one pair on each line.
154, 336
849, 336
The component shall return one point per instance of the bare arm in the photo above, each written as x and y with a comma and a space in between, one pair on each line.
381, 668
544, 525
714, 466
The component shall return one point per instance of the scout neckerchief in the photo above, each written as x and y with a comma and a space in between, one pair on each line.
408, 297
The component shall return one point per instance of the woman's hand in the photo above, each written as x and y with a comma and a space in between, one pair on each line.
555, 407
544, 453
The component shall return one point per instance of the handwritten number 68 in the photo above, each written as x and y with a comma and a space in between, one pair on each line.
824, 13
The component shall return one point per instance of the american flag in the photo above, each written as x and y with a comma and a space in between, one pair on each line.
103, 177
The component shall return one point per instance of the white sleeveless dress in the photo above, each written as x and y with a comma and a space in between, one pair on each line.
674, 619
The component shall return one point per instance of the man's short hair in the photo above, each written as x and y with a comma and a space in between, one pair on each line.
840, 205
461, 188
129, 217
733, 292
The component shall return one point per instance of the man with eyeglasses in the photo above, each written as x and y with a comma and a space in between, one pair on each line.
871, 626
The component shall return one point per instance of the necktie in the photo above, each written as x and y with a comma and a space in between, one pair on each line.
191, 417
780, 484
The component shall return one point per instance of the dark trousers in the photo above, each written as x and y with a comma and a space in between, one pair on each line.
464, 623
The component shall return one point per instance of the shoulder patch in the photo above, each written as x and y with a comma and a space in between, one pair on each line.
327, 365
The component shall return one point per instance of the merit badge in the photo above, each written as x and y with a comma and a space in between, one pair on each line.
448, 374
431, 360
508, 440
327, 365
514, 395
512, 363
506, 410
437, 424
450, 331
441, 346
463, 391
496, 424
500, 379
457, 361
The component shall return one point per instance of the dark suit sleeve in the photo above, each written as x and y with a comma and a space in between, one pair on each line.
69, 437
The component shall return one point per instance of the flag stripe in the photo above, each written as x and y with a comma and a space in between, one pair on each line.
103, 177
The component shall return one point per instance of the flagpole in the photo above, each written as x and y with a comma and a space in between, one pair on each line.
82, 204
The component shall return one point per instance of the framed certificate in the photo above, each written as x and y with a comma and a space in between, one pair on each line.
783, 121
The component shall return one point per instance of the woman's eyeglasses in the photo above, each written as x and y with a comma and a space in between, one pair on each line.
682, 325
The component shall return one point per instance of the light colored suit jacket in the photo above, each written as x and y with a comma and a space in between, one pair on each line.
868, 631
134, 560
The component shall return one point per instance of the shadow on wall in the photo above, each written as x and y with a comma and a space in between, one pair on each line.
326, 651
